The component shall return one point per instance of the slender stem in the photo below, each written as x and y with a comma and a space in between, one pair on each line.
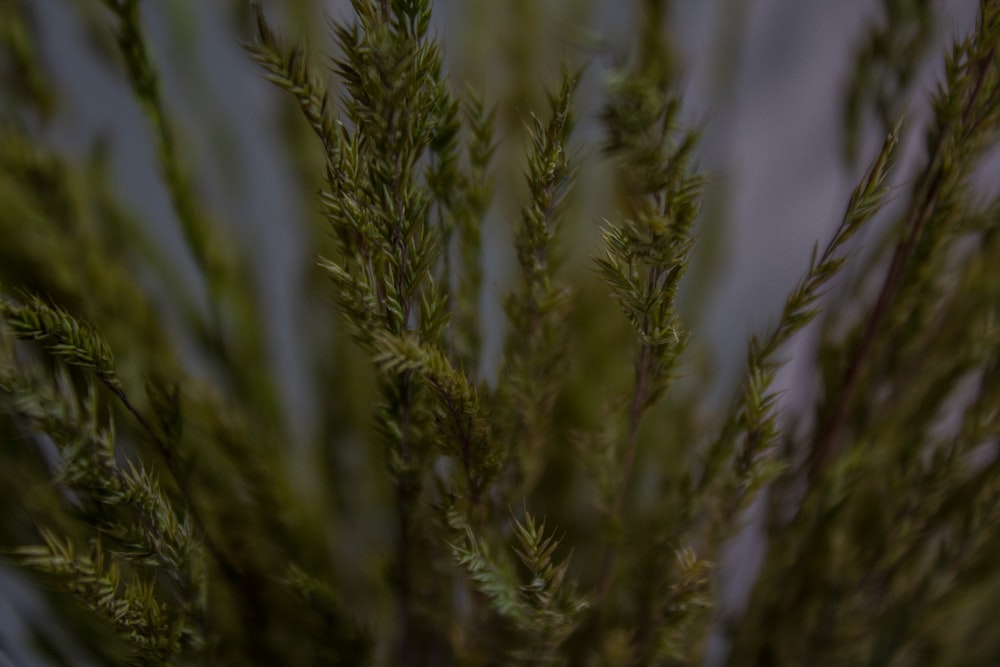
224, 561
920, 212
827, 444
405, 493
245, 584
632, 445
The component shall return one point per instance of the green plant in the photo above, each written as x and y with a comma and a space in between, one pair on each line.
150, 477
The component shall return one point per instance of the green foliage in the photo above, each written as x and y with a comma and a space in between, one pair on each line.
545, 609
125, 504
76, 343
751, 436
154, 485
132, 609
537, 309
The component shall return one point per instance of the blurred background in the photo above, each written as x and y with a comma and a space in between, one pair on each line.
764, 80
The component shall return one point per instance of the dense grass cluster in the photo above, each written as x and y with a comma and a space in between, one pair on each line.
569, 503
